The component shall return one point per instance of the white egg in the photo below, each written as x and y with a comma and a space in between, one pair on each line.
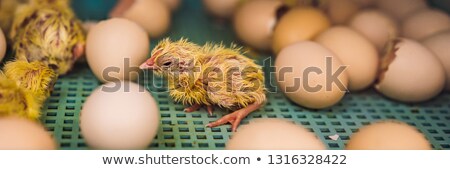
414, 73
153, 15
440, 44
23, 134
222, 8
425, 23
274, 134
115, 48
119, 115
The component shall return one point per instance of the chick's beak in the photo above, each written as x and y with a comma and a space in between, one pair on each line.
149, 64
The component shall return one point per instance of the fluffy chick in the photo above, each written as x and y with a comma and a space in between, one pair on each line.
24, 87
210, 75
48, 31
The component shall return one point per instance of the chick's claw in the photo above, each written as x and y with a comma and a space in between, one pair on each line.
210, 109
235, 118
193, 108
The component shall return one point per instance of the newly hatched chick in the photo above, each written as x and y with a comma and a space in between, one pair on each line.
210, 75
24, 87
48, 31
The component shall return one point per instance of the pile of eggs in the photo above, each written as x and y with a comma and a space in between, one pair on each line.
334, 47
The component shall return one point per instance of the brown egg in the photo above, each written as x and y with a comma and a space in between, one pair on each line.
303, 73
254, 22
173, 4
274, 134
413, 73
299, 24
400, 9
222, 9
365, 3
340, 12
2, 45
22, 134
440, 44
153, 15
376, 26
425, 23
355, 51
388, 135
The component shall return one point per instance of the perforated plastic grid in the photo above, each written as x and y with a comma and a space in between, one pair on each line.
179, 130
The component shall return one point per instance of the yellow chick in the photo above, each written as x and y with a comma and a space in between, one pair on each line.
210, 75
24, 87
7, 11
48, 31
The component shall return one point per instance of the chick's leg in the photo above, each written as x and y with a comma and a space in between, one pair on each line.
193, 108
236, 117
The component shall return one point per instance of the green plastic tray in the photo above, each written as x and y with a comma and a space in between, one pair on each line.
179, 130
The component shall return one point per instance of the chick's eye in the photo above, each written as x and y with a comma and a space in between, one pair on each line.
167, 63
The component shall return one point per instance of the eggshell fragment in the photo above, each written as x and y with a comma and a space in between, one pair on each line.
273, 134
425, 23
254, 22
440, 44
22, 134
299, 24
302, 71
356, 52
388, 135
414, 73
153, 15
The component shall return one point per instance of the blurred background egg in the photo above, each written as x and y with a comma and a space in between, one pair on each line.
3, 45
222, 8
299, 24
376, 26
173, 4
440, 44
414, 73
341, 11
119, 115
365, 3
400, 9
310, 90
356, 52
153, 15
255, 21
23, 134
388, 135
274, 134
107, 56
425, 23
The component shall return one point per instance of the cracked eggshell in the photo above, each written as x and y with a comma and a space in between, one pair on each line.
299, 24
274, 134
153, 15
22, 134
440, 44
254, 22
110, 43
414, 75
376, 26
305, 82
355, 51
400, 9
388, 135
425, 23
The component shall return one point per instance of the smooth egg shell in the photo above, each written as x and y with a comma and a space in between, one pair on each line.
376, 26
222, 9
440, 45
254, 22
356, 52
425, 23
400, 9
415, 75
299, 24
341, 11
306, 55
119, 115
153, 15
388, 135
273, 134
22, 134
110, 43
